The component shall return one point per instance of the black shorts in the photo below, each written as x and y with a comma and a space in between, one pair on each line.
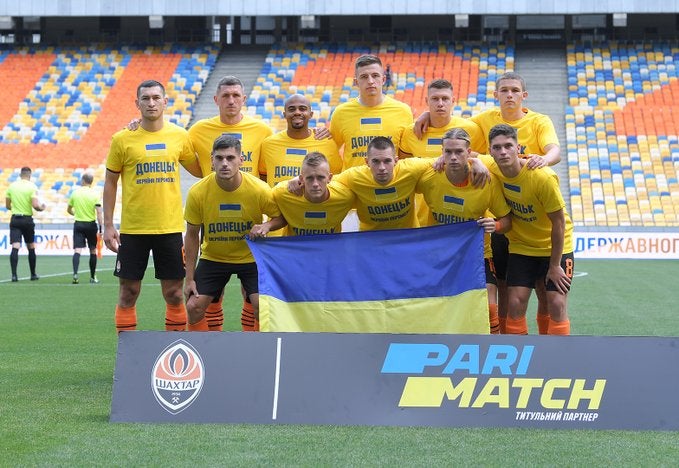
21, 226
85, 231
211, 277
490, 271
500, 245
525, 271
133, 256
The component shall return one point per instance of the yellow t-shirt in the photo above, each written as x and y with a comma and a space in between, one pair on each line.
535, 130
452, 204
531, 195
281, 156
387, 206
250, 131
84, 201
227, 217
431, 146
354, 125
305, 218
148, 163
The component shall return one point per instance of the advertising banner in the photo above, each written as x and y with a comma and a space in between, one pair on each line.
549, 382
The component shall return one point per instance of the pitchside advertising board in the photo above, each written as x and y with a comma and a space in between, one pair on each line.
635, 245
549, 382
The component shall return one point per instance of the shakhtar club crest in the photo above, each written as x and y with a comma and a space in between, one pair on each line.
177, 376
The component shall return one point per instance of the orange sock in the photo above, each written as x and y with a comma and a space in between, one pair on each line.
543, 323
494, 319
517, 326
126, 318
215, 316
503, 325
175, 317
247, 317
559, 328
201, 325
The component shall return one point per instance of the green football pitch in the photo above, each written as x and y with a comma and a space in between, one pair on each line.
57, 348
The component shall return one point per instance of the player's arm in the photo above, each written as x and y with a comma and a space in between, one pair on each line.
261, 230
499, 225
100, 216
111, 235
191, 245
555, 272
402, 154
37, 204
322, 133
69, 210
193, 167
421, 125
551, 157
8, 203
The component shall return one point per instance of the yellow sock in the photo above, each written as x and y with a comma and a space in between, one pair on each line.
559, 328
215, 316
126, 318
201, 325
517, 326
175, 317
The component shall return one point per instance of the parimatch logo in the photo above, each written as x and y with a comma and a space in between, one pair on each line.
177, 377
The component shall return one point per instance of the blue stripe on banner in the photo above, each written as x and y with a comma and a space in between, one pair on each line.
513, 188
435, 261
155, 146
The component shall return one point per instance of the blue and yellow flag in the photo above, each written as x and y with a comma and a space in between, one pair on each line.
426, 280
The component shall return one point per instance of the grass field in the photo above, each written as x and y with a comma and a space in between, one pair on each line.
57, 354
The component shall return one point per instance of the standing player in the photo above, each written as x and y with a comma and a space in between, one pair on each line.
452, 198
355, 123
322, 207
85, 206
440, 102
228, 204
282, 153
540, 242
21, 200
147, 162
538, 144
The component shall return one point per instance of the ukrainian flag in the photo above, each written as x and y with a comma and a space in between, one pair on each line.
237, 136
426, 280
295, 153
156, 149
315, 217
385, 194
453, 204
434, 145
371, 123
230, 210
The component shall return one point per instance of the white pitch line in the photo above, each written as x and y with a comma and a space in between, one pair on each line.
276, 379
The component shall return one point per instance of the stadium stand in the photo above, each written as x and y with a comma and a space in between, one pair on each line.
622, 127
65, 104
324, 72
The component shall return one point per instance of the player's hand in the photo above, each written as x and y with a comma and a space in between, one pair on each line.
488, 224
439, 164
296, 186
322, 133
133, 125
559, 278
421, 125
190, 289
258, 231
111, 238
535, 161
480, 173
